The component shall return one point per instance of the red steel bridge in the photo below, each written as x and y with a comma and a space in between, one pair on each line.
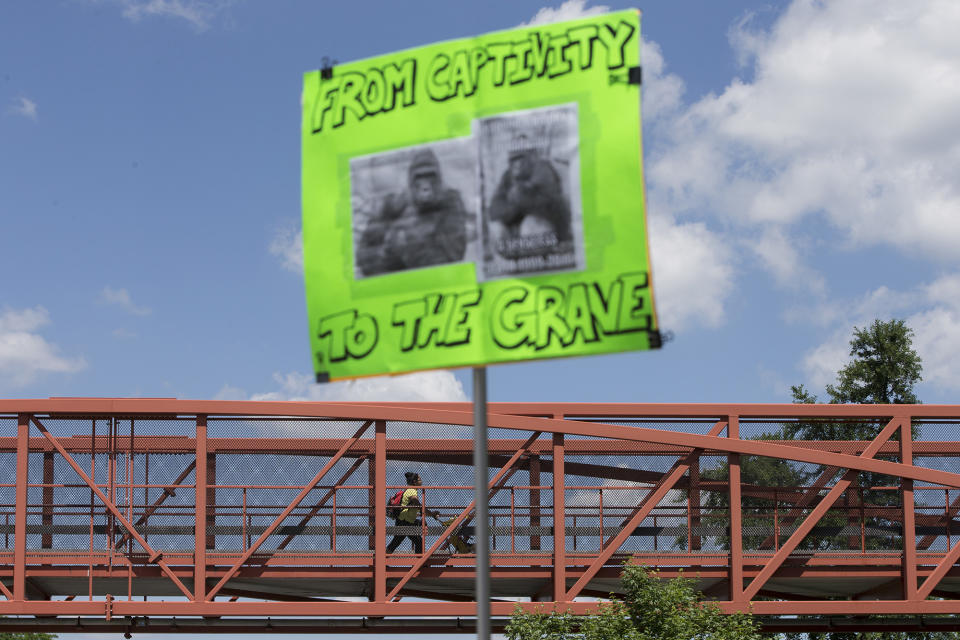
171, 515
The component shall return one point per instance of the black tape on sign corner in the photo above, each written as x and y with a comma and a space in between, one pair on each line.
656, 340
326, 68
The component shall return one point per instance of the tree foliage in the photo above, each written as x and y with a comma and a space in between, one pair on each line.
652, 609
884, 368
27, 636
759, 471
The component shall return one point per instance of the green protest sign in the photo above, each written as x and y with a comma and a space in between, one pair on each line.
478, 201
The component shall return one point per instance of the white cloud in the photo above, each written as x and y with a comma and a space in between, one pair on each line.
693, 265
24, 353
822, 362
122, 299
662, 92
692, 273
229, 392
938, 343
770, 379
850, 114
425, 386
778, 253
931, 310
25, 320
25, 107
937, 331
199, 13
569, 10
287, 245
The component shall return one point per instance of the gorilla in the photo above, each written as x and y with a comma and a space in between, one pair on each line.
422, 226
529, 203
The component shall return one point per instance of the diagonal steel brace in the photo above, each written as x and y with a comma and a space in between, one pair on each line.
945, 565
288, 510
155, 556
951, 511
820, 510
167, 492
650, 501
316, 508
797, 509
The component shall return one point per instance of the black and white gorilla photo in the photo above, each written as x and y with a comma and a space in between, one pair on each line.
414, 207
529, 170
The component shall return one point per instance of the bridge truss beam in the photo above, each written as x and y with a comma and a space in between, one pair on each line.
130, 512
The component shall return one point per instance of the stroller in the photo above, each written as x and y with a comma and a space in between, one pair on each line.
459, 541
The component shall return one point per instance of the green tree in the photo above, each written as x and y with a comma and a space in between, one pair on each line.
884, 368
765, 483
652, 609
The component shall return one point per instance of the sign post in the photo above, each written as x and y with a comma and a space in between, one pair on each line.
481, 477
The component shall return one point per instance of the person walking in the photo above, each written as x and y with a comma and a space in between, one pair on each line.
407, 514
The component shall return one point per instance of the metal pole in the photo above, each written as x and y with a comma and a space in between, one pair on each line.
480, 480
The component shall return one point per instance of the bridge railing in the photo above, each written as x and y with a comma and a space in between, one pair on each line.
592, 515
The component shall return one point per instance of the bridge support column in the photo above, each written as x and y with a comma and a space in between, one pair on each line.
20, 516
372, 500
380, 510
736, 515
211, 483
559, 521
200, 539
693, 506
909, 523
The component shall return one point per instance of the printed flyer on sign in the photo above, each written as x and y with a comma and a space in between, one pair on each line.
530, 186
478, 201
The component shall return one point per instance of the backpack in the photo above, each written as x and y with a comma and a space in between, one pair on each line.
397, 499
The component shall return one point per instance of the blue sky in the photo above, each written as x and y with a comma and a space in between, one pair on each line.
801, 164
